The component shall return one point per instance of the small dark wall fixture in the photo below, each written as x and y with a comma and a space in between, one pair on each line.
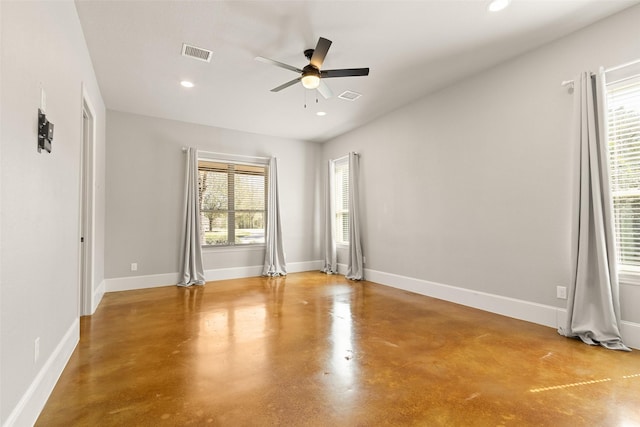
45, 132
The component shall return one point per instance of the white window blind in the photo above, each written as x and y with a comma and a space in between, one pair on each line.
342, 200
233, 199
623, 120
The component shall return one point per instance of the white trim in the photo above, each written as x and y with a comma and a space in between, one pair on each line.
545, 315
622, 72
234, 158
630, 334
629, 278
342, 269
256, 270
625, 65
28, 409
299, 267
141, 282
234, 248
232, 273
170, 279
524, 310
98, 293
87, 167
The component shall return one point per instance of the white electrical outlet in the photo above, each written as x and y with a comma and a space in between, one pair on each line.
134, 266
561, 292
36, 350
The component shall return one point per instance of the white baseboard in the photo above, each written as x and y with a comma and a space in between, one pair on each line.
32, 402
256, 270
342, 269
98, 293
631, 334
511, 307
232, 273
299, 267
168, 279
541, 314
140, 282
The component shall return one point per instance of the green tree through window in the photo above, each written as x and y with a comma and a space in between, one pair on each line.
232, 203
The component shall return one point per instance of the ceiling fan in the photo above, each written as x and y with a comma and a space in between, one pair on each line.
311, 75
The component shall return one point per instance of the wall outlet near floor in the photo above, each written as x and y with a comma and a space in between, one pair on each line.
134, 266
36, 350
561, 292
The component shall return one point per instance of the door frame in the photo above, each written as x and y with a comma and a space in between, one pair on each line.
87, 207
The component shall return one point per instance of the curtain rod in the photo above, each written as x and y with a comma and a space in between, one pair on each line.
627, 64
606, 70
211, 153
345, 156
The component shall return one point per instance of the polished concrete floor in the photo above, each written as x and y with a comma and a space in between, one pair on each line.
317, 350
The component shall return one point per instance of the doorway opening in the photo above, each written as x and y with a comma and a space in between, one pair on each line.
86, 210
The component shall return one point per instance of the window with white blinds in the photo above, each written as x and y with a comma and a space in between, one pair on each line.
623, 120
233, 200
341, 192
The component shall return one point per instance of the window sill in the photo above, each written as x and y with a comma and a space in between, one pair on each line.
628, 277
234, 248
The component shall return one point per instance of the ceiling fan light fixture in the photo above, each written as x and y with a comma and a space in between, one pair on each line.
310, 81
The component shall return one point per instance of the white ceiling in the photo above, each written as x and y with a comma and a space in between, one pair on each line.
411, 47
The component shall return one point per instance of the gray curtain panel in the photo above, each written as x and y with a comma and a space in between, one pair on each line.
274, 262
330, 257
191, 269
355, 262
593, 307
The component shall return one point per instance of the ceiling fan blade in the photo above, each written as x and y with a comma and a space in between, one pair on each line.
278, 64
325, 90
346, 72
286, 85
320, 52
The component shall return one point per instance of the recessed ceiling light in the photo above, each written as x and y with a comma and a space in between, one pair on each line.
321, 113
186, 83
497, 5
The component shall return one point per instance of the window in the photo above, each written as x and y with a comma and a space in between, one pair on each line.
233, 199
623, 119
341, 203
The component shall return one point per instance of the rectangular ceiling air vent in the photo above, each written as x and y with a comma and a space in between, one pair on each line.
349, 95
196, 52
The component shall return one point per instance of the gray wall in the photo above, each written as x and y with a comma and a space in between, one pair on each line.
473, 186
42, 46
145, 176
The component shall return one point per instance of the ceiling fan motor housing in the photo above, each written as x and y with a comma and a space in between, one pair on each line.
310, 70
